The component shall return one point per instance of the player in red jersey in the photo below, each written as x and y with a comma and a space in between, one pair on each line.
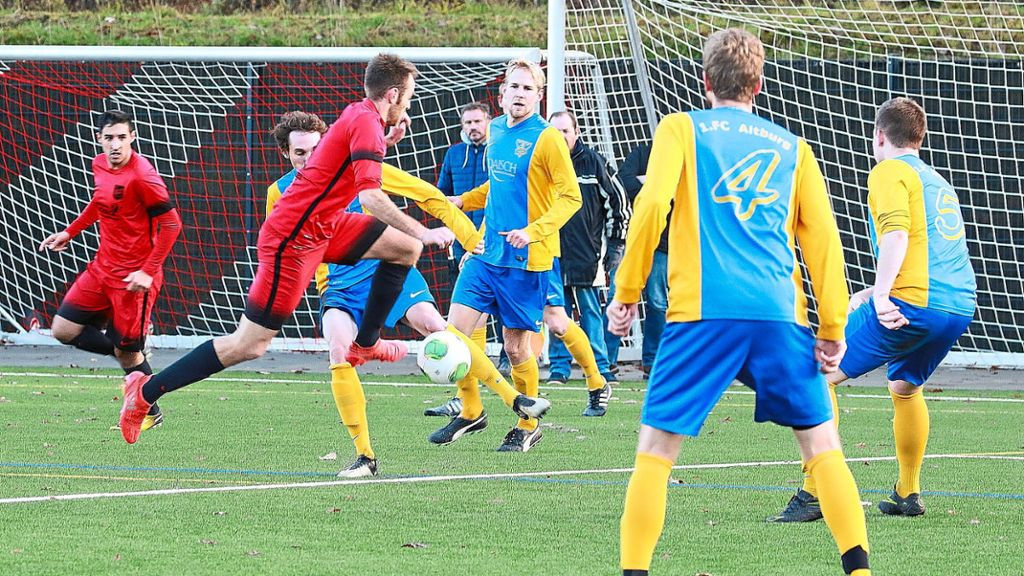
138, 227
308, 226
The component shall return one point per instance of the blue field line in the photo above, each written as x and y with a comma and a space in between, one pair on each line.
587, 482
166, 469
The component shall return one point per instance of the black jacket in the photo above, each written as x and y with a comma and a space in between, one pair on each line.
634, 165
604, 214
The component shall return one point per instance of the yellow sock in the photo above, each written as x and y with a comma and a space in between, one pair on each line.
351, 403
808, 479
840, 505
484, 370
526, 377
578, 344
479, 337
643, 516
910, 425
469, 393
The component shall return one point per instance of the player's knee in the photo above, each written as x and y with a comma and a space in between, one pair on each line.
408, 251
337, 351
64, 335
558, 323
903, 388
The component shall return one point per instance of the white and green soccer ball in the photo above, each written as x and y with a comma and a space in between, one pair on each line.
444, 358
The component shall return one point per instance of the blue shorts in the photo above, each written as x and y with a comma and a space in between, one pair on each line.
697, 361
353, 299
913, 352
514, 295
556, 290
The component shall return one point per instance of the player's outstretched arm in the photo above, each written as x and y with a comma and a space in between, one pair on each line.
474, 199
377, 203
397, 182
58, 241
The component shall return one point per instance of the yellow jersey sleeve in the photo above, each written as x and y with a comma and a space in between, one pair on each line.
889, 189
475, 199
566, 198
672, 138
398, 182
273, 195
818, 235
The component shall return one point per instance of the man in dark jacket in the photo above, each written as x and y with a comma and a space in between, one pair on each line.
633, 174
463, 167
603, 217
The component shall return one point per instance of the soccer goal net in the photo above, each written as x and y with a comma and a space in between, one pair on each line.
203, 118
830, 64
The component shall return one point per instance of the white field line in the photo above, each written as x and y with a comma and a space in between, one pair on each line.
460, 477
731, 390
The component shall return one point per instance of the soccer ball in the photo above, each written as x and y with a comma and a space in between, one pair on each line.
444, 358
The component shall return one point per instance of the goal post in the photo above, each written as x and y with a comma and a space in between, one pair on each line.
203, 117
829, 66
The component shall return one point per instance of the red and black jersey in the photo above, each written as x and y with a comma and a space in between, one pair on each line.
127, 202
347, 161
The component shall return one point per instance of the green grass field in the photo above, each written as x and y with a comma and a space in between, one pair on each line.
465, 509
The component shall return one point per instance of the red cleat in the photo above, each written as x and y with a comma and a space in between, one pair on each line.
383, 350
135, 406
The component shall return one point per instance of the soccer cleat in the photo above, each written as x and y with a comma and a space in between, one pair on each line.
135, 407
383, 350
802, 507
363, 466
519, 440
597, 405
450, 409
556, 379
526, 407
610, 376
152, 421
458, 428
895, 505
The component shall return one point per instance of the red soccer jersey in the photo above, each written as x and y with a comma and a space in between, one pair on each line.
125, 202
347, 161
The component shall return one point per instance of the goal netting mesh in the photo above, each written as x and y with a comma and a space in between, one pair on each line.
830, 64
205, 125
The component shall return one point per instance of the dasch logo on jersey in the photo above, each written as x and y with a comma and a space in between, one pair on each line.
501, 170
523, 148
746, 183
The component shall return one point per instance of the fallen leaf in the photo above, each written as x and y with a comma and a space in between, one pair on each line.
951, 512
935, 390
253, 554
974, 522
220, 513
222, 398
330, 456
414, 545
333, 510
117, 556
17, 551
862, 444
208, 542
300, 370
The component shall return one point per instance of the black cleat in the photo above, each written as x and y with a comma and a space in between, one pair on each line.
526, 407
802, 507
449, 409
362, 467
457, 428
519, 440
597, 405
894, 505
557, 379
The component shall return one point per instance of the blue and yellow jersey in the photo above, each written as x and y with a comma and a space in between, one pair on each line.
397, 182
530, 184
906, 194
746, 191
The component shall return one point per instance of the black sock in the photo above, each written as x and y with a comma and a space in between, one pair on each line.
91, 339
386, 287
144, 368
198, 364
634, 573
